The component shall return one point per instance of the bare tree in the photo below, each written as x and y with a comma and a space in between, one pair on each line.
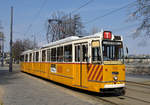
1, 44
61, 26
142, 14
21, 45
94, 30
1, 26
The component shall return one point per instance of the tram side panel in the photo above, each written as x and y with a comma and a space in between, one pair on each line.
29, 67
47, 70
62, 73
43, 69
22, 66
95, 77
76, 75
114, 74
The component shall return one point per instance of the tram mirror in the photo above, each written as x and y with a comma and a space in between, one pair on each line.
127, 50
95, 44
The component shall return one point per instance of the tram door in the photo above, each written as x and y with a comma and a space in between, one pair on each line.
81, 58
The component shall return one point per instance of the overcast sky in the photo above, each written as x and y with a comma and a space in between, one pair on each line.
36, 13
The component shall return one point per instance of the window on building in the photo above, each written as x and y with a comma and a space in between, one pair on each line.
53, 54
30, 57
48, 55
44, 55
68, 53
60, 54
37, 56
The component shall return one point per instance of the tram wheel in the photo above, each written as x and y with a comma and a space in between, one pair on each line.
120, 92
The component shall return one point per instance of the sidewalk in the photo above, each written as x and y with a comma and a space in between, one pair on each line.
1, 94
22, 89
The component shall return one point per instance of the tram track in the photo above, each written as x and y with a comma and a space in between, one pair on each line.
138, 87
138, 83
137, 99
138, 91
147, 86
121, 100
132, 96
106, 100
129, 99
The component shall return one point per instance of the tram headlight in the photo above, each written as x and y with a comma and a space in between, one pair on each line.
115, 78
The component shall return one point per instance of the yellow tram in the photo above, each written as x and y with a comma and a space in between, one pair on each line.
94, 63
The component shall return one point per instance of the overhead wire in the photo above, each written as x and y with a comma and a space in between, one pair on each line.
88, 2
35, 17
109, 13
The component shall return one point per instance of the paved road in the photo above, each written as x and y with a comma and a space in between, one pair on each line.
22, 89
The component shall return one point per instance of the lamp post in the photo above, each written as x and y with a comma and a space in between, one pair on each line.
11, 35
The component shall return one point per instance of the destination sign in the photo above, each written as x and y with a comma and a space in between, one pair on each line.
111, 43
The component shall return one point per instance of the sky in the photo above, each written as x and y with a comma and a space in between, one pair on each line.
30, 17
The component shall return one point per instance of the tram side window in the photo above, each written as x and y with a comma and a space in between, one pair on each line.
43, 55
34, 56
96, 54
68, 53
30, 57
60, 54
22, 58
26, 57
37, 56
85, 53
48, 55
53, 54
77, 53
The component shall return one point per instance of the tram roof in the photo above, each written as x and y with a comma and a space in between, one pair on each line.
69, 39
72, 38
26, 52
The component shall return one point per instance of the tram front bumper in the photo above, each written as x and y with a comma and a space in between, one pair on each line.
114, 85
112, 88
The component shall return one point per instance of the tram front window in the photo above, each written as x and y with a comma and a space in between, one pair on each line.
112, 51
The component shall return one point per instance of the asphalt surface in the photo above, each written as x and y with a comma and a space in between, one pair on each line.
21, 89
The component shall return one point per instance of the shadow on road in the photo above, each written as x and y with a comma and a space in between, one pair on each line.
76, 89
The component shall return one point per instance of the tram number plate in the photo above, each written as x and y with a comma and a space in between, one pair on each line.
53, 68
115, 73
